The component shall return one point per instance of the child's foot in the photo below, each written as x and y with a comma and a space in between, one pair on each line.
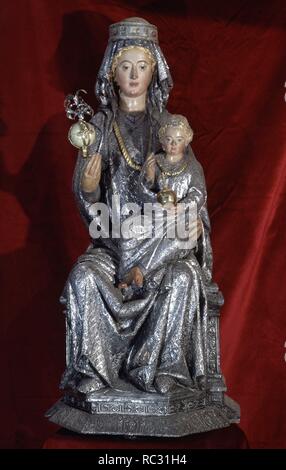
134, 275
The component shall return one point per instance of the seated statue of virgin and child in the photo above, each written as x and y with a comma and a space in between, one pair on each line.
141, 309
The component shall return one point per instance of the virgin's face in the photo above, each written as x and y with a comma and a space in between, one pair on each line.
133, 73
174, 141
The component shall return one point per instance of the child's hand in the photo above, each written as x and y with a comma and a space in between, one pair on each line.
150, 168
170, 207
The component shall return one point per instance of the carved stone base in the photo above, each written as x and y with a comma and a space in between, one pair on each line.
145, 415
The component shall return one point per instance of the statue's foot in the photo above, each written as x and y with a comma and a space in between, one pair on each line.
165, 383
90, 384
133, 276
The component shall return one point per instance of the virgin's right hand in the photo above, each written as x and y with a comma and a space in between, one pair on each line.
92, 174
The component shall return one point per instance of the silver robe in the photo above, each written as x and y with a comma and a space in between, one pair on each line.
141, 248
152, 337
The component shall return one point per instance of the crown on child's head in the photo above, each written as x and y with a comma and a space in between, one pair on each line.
176, 120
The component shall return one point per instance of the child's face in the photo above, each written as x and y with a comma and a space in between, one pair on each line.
174, 141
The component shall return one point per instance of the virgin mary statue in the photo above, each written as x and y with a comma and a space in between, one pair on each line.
142, 359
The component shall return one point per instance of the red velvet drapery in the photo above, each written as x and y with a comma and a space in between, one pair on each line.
228, 63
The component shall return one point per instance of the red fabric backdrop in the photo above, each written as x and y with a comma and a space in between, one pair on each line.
228, 63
